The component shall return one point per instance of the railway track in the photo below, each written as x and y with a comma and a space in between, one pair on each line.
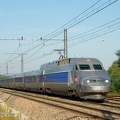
94, 110
114, 99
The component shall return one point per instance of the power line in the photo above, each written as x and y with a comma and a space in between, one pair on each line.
43, 55
93, 12
111, 28
75, 21
78, 19
97, 32
11, 38
97, 29
69, 22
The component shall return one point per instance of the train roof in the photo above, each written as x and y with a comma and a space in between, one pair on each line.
30, 73
83, 59
70, 60
16, 75
56, 62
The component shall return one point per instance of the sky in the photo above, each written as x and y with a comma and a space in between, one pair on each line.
47, 19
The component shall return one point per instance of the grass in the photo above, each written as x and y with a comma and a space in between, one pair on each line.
113, 94
6, 114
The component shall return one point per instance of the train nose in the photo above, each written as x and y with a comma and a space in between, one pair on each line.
95, 78
96, 85
100, 81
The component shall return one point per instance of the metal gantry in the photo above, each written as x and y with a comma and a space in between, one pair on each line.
65, 50
65, 44
22, 62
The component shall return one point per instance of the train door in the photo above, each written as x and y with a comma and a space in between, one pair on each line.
77, 81
43, 78
23, 82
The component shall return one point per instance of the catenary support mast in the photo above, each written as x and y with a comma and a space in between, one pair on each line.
65, 44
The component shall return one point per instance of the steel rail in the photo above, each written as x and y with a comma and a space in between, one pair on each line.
67, 104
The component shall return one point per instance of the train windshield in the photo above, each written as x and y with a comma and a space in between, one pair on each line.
97, 66
84, 67
87, 67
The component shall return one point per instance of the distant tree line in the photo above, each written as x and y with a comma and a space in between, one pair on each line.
2, 76
114, 72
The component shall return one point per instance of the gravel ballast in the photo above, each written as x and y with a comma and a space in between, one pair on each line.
38, 111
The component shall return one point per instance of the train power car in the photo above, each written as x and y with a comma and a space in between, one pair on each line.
81, 77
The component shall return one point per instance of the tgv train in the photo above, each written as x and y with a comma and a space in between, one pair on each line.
82, 77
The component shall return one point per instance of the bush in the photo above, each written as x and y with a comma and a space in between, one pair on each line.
114, 72
115, 81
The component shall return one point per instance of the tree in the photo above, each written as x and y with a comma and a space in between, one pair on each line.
118, 54
114, 72
2, 76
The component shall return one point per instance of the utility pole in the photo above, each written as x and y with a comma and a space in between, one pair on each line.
103, 53
65, 44
6, 69
22, 62
65, 50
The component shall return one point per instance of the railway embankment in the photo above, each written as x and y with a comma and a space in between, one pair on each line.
8, 110
30, 106
31, 110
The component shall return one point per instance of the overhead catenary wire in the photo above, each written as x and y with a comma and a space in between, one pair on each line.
92, 10
76, 21
81, 17
89, 35
97, 29
43, 55
96, 32
9, 59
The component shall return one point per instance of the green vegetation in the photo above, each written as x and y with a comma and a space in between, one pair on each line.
2, 76
114, 72
5, 114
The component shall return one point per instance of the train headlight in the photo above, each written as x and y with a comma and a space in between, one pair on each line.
88, 81
106, 81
